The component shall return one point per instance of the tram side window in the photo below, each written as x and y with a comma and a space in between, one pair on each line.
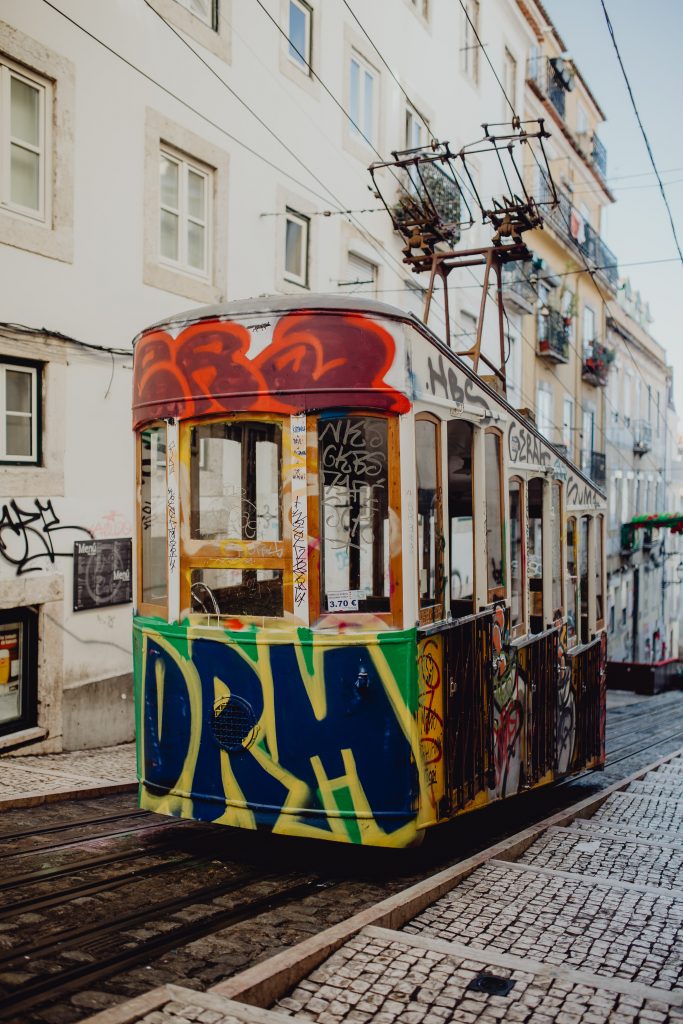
572, 581
599, 601
535, 553
583, 568
556, 533
495, 563
354, 513
460, 435
517, 617
235, 507
153, 587
429, 530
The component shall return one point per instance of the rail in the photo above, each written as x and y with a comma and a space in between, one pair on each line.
585, 669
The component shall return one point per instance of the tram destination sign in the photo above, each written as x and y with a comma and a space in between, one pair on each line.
103, 573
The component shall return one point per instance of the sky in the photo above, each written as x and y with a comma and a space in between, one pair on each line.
636, 228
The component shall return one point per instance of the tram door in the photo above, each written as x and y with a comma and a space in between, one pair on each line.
468, 705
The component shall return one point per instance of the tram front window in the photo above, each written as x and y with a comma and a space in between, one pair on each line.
354, 513
535, 553
236, 518
460, 435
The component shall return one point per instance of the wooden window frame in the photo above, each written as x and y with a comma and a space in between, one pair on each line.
599, 532
185, 165
498, 593
521, 628
9, 70
437, 611
318, 615
145, 608
233, 553
447, 518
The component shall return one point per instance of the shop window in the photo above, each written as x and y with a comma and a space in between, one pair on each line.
572, 581
556, 534
460, 436
495, 558
535, 554
18, 659
153, 585
517, 581
354, 514
583, 570
429, 528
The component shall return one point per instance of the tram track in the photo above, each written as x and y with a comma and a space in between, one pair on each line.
6, 837
120, 959
187, 928
147, 826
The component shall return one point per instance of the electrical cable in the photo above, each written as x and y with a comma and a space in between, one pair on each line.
642, 130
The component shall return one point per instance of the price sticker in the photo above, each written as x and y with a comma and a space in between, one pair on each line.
343, 601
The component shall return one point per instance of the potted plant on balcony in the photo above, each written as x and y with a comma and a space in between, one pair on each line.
597, 364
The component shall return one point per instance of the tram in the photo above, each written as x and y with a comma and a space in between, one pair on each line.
370, 595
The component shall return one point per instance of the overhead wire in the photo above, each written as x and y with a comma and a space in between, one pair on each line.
646, 140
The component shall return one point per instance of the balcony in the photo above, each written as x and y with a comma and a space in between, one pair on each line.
642, 437
596, 363
599, 157
553, 77
553, 336
568, 223
518, 291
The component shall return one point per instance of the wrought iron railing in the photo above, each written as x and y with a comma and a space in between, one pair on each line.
566, 220
468, 706
596, 363
642, 437
553, 335
599, 156
538, 664
543, 71
585, 683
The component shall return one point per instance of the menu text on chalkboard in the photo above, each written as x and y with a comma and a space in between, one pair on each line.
103, 573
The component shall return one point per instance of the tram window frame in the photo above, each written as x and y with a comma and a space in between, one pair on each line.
518, 626
558, 541
434, 611
584, 566
598, 554
537, 615
495, 591
319, 613
233, 553
150, 609
460, 605
572, 581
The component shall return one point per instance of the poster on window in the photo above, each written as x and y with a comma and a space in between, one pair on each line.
103, 573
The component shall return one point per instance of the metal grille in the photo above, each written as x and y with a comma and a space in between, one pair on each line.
233, 724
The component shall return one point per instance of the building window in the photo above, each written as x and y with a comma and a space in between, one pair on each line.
470, 49
24, 101
299, 34
589, 331
184, 216
363, 98
19, 413
509, 80
568, 425
205, 10
544, 418
296, 248
415, 131
361, 276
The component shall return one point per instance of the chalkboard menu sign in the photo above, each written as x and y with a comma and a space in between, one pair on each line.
103, 573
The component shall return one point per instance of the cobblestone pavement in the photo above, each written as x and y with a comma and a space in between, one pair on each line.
586, 927
31, 777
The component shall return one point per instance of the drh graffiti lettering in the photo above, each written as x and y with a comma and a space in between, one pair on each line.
30, 535
430, 714
299, 552
508, 706
443, 383
525, 448
206, 369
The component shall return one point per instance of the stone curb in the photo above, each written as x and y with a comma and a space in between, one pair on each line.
74, 793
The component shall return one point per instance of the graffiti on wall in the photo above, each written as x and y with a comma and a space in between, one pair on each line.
299, 515
526, 449
334, 752
443, 380
313, 361
33, 537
